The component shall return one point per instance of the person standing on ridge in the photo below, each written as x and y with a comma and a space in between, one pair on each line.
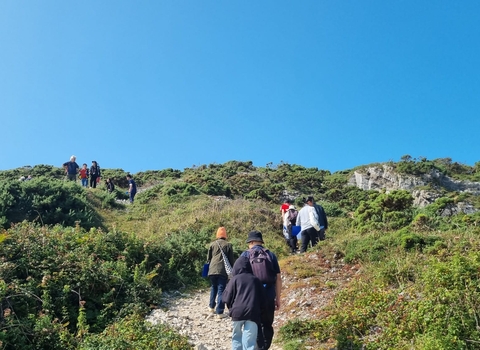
84, 175
71, 169
94, 174
217, 272
132, 188
265, 267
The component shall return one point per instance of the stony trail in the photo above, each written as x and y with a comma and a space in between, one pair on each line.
189, 314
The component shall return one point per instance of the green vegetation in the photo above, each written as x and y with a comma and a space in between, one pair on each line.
80, 270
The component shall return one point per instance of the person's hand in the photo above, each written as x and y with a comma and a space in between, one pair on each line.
277, 304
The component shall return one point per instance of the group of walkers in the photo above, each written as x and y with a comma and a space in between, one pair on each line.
311, 221
72, 171
250, 289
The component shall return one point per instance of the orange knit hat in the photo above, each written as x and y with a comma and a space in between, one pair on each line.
221, 232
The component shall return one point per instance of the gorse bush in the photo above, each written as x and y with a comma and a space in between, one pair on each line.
47, 201
408, 298
385, 211
133, 332
59, 284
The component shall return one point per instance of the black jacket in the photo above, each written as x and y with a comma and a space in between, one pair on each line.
244, 294
322, 217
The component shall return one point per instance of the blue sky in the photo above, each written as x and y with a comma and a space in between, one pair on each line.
170, 84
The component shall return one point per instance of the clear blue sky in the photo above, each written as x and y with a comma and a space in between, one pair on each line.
149, 85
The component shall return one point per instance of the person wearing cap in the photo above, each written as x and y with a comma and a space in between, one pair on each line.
71, 169
216, 271
272, 293
245, 299
289, 220
313, 222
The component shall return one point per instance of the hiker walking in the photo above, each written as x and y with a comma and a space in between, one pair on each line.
265, 267
245, 299
311, 224
71, 169
217, 272
132, 188
289, 220
94, 174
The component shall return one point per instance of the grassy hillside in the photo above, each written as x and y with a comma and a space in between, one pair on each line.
61, 286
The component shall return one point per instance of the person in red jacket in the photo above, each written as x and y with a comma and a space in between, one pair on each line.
84, 173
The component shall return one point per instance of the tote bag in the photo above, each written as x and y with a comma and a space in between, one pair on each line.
228, 267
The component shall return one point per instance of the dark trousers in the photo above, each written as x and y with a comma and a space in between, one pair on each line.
309, 235
132, 196
93, 181
292, 240
265, 328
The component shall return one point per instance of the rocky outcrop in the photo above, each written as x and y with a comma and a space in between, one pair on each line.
384, 177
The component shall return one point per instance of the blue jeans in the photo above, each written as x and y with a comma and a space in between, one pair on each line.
85, 182
245, 339
219, 283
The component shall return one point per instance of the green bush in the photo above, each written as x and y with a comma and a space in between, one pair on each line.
133, 332
47, 201
62, 283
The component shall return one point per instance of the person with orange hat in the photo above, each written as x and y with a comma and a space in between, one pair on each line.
217, 271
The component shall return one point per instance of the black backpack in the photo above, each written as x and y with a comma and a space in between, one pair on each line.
262, 265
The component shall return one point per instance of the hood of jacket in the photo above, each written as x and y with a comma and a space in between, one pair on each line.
242, 265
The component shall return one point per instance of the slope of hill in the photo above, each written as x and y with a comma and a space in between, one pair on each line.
391, 274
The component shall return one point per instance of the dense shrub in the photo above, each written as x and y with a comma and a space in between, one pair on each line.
385, 211
58, 284
47, 201
133, 332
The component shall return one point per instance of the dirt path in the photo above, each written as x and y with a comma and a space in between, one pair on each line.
189, 314
302, 298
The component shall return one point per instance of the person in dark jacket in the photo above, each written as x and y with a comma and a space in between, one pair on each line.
110, 185
94, 174
245, 299
322, 218
217, 272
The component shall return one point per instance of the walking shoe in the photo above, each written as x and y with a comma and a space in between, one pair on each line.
211, 309
222, 316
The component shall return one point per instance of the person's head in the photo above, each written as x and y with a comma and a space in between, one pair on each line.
254, 238
292, 207
84, 166
242, 265
288, 201
221, 233
310, 201
94, 163
73, 158
129, 176
108, 179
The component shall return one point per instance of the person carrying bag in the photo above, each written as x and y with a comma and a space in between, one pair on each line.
220, 253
